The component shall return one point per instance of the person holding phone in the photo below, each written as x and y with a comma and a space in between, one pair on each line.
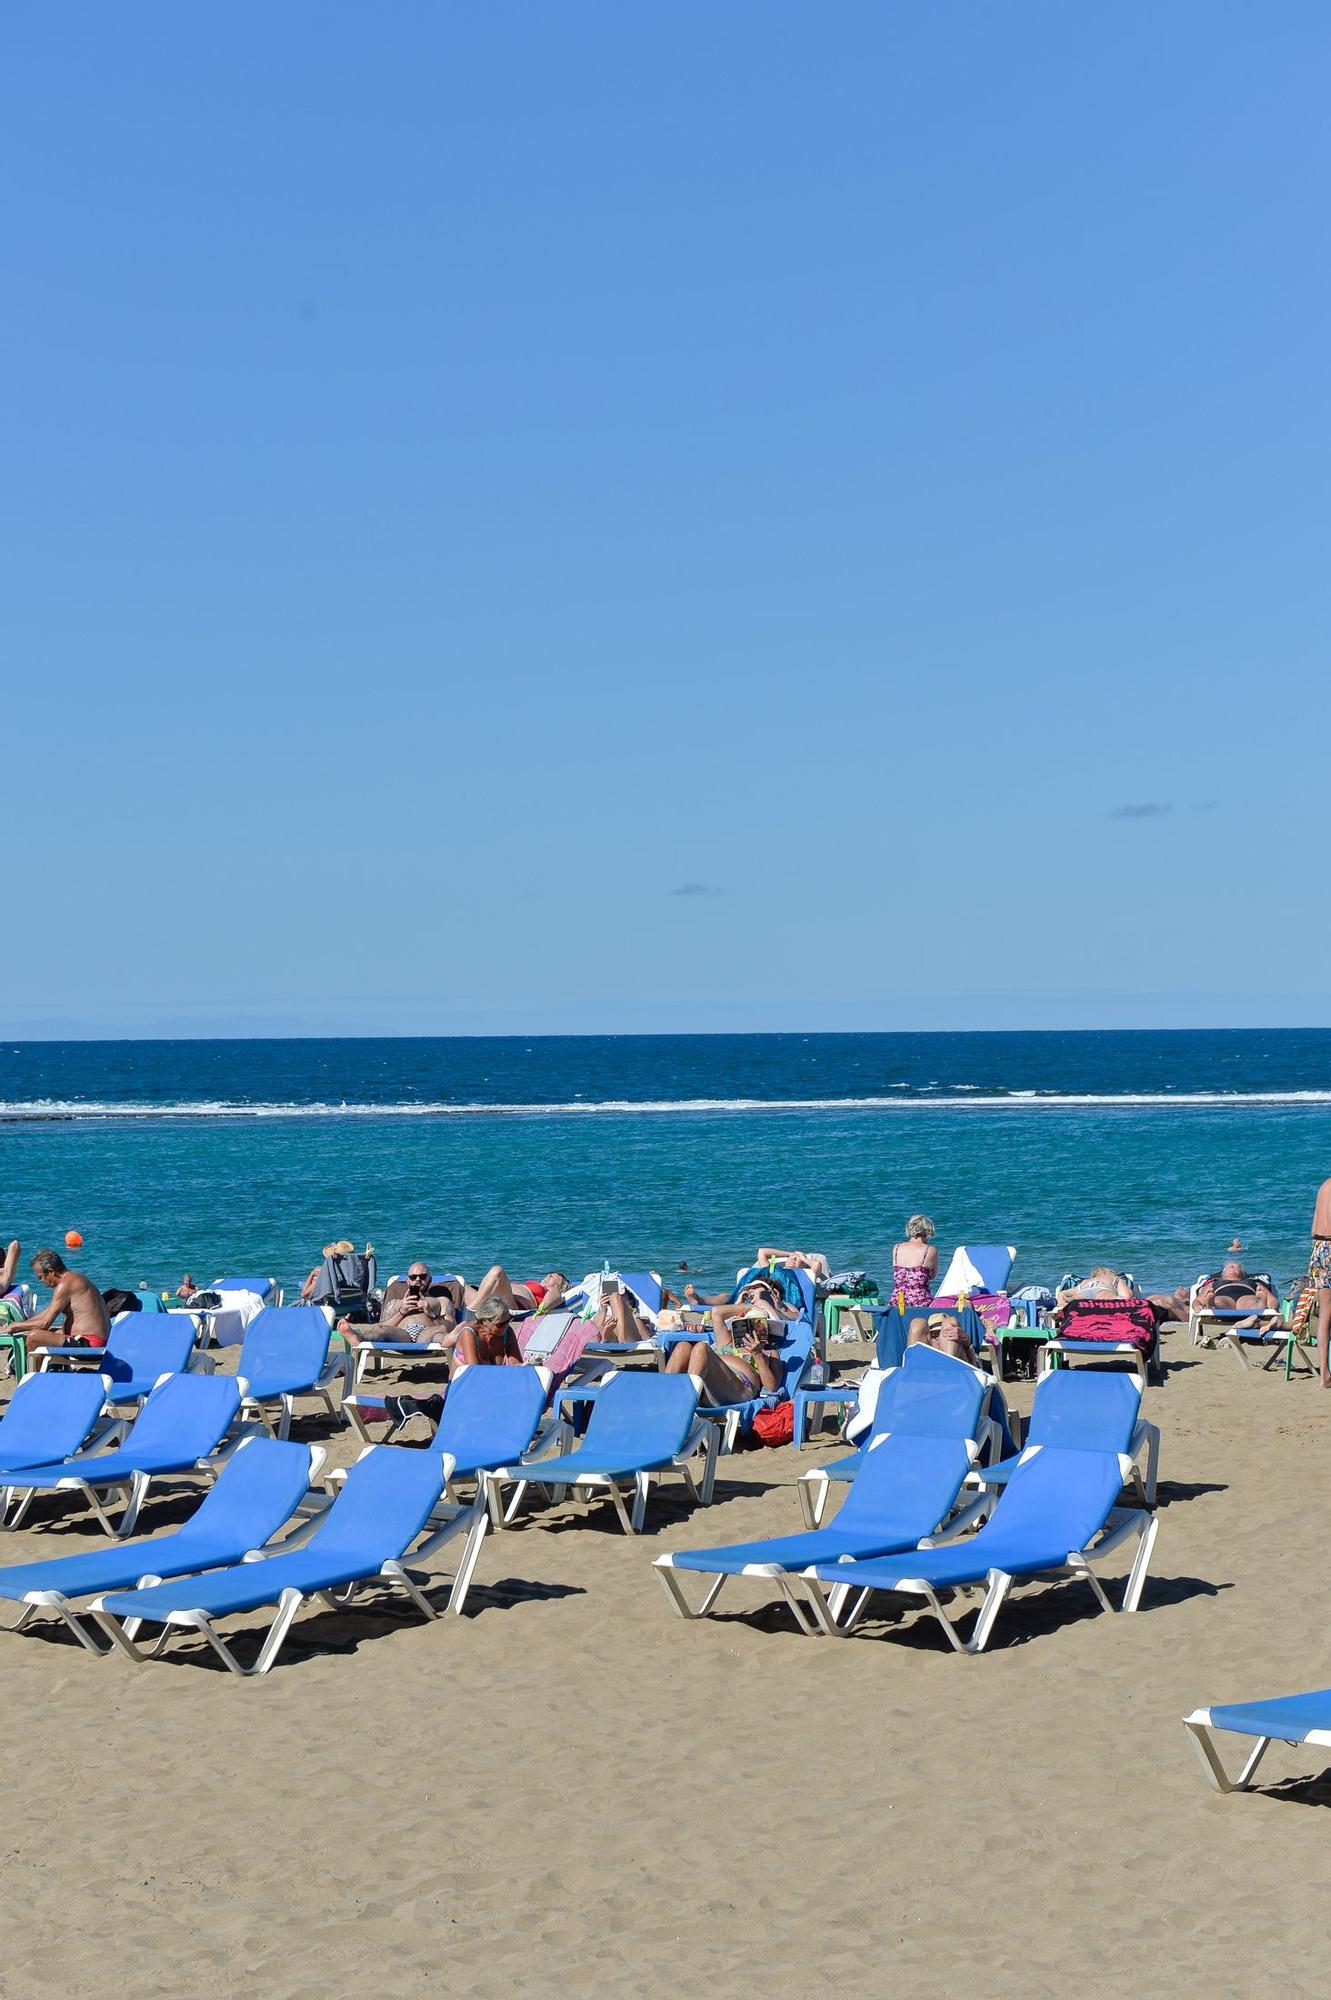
422, 1311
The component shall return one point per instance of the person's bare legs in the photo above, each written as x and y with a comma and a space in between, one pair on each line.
723, 1387
1323, 1335
681, 1355
495, 1285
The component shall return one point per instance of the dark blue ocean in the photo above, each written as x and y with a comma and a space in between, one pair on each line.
1149, 1149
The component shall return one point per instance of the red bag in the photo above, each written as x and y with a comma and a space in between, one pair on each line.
776, 1426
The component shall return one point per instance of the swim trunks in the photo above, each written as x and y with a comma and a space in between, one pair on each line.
1319, 1264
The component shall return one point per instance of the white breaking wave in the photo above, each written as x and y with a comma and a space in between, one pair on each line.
24, 1110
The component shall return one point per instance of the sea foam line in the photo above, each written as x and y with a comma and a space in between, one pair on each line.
21, 1111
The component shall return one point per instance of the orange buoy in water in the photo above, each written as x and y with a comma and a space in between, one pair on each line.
73, 1241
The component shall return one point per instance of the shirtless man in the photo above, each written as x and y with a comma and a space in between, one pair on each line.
1319, 1270
74, 1299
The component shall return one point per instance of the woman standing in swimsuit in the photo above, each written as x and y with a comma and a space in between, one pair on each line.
915, 1265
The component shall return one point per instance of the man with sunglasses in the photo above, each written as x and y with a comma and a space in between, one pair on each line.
422, 1311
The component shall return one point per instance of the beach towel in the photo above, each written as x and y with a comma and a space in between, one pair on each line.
1109, 1320
554, 1340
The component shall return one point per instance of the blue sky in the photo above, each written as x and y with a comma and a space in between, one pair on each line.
765, 516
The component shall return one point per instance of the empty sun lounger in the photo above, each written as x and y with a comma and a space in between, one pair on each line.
642, 1426
140, 1350
285, 1355
256, 1493
491, 1418
180, 1427
1057, 1516
920, 1361
1094, 1411
906, 1484
49, 1417
387, 1501
1288, 1718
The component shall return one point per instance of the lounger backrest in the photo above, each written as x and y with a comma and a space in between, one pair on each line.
262, 1288
141, 1345
796, 1347
49, 1416
289, 1342
255, 1492
915, 1477
1085, 1410
388, 1497
187, 1415
1054, 1502
642, 1415
928, 1402
491, 1414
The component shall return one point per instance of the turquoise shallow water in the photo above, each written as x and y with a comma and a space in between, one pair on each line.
1159, 1187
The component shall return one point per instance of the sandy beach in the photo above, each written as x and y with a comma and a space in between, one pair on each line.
571, 1790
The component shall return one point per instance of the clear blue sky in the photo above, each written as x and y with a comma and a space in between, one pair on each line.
646, 486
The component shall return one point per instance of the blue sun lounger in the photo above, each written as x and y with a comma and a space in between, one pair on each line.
1094, 1411
285, 1355
388, 1499
49, 1417
642, 1426
1287, 1718
257, 1491
1057, 1517
906, 1485
491, 1417
180, 1427
992, 1433
140, 1350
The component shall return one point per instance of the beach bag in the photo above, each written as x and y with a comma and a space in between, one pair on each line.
776, 1426
1109, 1320
118, 1301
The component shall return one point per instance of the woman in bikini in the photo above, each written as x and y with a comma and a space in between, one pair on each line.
743, 1362
488, 1337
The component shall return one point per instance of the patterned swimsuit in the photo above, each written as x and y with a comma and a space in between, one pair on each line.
912, 1281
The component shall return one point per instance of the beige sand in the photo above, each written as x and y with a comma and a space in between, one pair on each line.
571, 1791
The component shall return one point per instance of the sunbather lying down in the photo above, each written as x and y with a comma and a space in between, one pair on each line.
744, 1361
617, 1318
942, 1331
520, 1295
1104, 1283
1235, 1290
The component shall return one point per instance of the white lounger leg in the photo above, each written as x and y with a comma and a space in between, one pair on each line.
813, 1488
671, 1584
1198, 1727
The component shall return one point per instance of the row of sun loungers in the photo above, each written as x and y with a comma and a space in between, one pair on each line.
938, 1503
